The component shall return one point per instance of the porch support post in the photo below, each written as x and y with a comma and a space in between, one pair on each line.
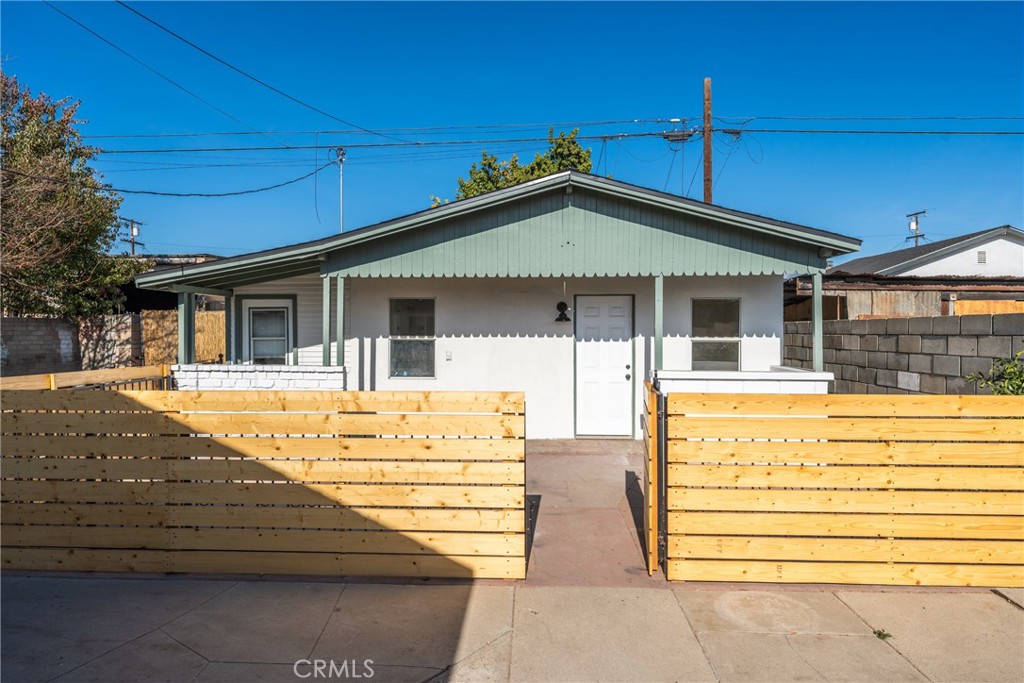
817, 342
659, 322
340, 323
229, 347
186, 327
326, 318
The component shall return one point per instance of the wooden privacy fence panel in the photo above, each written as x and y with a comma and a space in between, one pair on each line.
140, 377
335, 483
902, 490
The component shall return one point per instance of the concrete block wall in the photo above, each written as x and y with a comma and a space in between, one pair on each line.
908, 355
31, 346
276, 377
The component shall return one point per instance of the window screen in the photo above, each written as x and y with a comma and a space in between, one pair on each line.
412, 338
716, 331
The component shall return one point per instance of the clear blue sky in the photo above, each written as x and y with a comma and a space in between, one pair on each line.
419, 65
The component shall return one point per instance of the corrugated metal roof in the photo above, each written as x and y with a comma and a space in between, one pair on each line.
569, 223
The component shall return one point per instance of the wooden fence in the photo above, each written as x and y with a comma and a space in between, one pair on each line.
160, 336
330, 483
141, 377
905, 490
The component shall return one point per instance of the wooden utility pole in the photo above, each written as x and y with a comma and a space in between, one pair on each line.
707, 140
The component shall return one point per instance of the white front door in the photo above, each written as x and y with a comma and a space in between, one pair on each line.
604, 365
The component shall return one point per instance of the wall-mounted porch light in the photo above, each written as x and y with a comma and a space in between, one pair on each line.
562, 313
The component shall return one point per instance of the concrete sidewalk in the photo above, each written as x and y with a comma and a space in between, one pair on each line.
588, 611
154, 629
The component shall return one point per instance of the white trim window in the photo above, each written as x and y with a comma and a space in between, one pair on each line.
411, 337
268, 331
715, 328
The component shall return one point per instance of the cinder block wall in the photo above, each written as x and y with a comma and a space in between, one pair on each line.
908, 355
30, 346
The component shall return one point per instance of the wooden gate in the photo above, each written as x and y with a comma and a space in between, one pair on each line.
900, 490
651, 483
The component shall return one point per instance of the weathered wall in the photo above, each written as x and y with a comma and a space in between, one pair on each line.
111, 341
908, 355
36, 345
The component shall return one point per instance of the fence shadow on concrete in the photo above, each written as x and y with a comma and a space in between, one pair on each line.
265, 483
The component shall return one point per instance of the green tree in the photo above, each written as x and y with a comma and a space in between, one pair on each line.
1006, 377
491, 174
58, 220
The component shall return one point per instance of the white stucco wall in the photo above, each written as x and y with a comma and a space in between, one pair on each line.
501, 334
1004, 257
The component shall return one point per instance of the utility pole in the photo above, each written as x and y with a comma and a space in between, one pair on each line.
915, 225
133, 232
340, 151
707, 141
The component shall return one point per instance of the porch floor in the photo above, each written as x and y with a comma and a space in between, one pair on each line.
586, 503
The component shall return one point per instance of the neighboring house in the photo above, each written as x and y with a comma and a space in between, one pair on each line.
572, 288
982, 272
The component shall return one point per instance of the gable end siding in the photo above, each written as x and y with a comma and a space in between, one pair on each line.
582, 234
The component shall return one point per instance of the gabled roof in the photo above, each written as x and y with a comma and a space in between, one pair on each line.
410, 233
896, 262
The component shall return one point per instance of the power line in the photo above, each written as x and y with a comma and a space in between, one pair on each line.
496, 141
870, 132
422, 130
152, 69
250, 76
378, 145
871, 118
168, 194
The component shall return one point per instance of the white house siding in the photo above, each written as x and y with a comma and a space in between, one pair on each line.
1004, 257
308, 290
501, 334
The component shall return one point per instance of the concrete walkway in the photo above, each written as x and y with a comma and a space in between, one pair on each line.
587, 612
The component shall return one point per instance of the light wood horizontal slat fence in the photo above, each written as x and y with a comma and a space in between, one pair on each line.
901, 490
338, 483
141, 377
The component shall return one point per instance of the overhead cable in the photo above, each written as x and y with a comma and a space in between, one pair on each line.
250, 76
158, 73
119, 190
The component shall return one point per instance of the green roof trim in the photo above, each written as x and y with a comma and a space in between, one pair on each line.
565, 224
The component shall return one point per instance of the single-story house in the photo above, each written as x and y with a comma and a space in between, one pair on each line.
980, 272
572, 288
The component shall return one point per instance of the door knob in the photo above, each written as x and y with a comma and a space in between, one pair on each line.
627, 376
627, 367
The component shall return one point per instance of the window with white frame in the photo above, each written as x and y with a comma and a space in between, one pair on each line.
715, 330
412, 338
267, 331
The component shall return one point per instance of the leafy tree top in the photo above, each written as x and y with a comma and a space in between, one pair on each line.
490, 174
59, 221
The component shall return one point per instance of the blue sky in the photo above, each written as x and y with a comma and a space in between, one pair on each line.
445, 65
